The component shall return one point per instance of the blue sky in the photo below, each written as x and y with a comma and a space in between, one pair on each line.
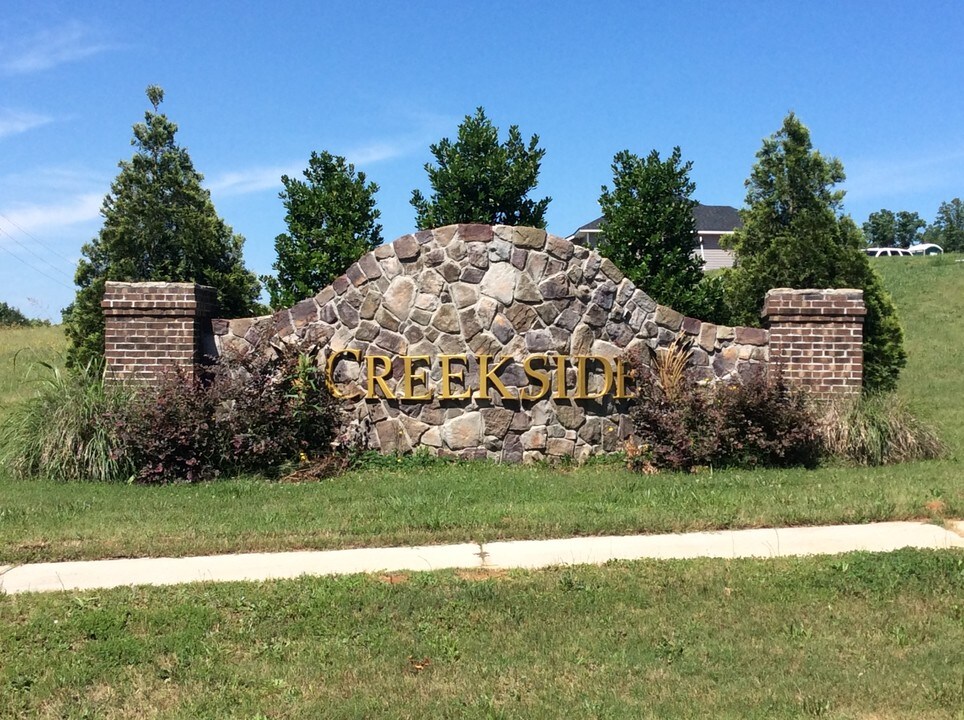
255, 87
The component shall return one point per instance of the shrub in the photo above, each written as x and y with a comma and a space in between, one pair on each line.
876, 430
683, 425
61, 432
243, 414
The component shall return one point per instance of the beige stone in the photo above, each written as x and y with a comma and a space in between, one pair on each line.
499, 282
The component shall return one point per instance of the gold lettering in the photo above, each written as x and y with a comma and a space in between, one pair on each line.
411, 377
582, 376
330, 378
540, 376
448, 375
488, 374
560, 392
378, 378
621, 375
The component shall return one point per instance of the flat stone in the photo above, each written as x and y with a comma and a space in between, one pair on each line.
406, 248
606, 349
536, 265
472, 275
434, 257
568, 319
528, 237
558, 247
464, 294
610, 270
470, 324
386, 320
560, 447
538, 341
668, 318
367, 330
347, 314
325, 296
707, 337
486, 310
456, 251
450, 271
473, 232
526, 290
477, 255
535, 438
370, 305
304, 312
499, 282
499, 251
605, 295
555, 287
522, 317
463, 432
518, 258
570, 417
502, 328
496, 421
447, 319
751, 336
355, 274
431, 282
595, 316
400, 297
581, 341
392, 342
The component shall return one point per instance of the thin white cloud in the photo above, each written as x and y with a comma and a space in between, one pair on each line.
259, 179
252, 180
36, 217
49, 48
13, 122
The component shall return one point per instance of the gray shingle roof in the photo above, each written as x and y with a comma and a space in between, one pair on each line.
721, 218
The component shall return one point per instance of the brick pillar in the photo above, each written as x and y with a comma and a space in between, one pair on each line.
816, 338
150, 326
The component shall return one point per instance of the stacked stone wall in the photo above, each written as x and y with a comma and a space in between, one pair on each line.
507, 292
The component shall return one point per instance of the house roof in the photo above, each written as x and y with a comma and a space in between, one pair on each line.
709, 218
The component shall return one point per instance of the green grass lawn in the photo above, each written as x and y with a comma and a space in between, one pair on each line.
858, 636
855, 636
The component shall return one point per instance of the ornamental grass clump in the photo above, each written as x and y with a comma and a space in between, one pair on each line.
62, 431
877, 429
682, 424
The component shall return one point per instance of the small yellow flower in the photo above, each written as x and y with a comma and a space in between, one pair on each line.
303, 456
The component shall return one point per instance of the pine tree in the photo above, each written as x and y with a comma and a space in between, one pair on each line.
649, 231
795, 235
159, 224
331, 220
480, 180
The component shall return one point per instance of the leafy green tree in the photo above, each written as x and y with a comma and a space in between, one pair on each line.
9, 315
649, 231
795, 235
331, 220
480, 180
947, 229
885, 228
159, 224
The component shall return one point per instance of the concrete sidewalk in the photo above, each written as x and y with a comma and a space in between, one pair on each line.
779, 542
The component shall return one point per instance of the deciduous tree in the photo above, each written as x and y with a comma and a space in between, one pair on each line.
795, 235
885, 228
649, 231
947, 229
331, 220
159, 224
480, 180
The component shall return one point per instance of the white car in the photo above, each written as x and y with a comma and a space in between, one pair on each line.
926, 249
887, 252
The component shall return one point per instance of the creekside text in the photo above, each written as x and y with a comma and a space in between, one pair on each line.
546, 374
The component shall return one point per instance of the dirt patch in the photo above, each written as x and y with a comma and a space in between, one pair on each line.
477, 574
393, 578
935, 507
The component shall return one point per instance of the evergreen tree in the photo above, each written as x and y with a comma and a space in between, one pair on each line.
331, 220
159, 224
649, 231
795, 235
480, 180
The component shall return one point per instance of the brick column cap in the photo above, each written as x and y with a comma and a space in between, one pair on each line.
159, 298
787, 304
